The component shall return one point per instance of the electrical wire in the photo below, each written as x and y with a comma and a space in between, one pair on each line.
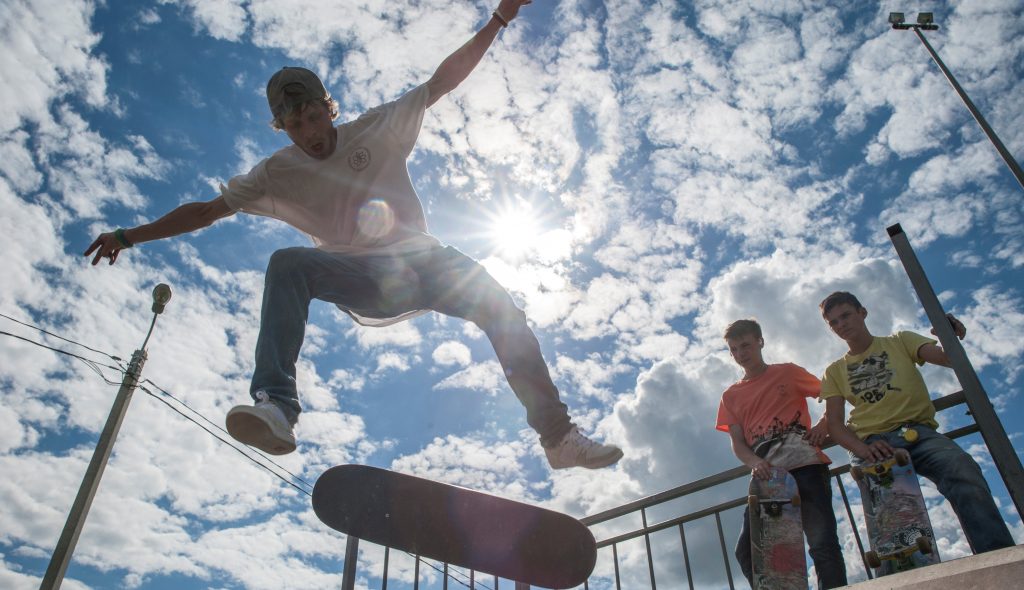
95, 366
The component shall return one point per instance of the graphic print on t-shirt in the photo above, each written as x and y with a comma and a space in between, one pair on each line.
359, 159
775, 433
871, 378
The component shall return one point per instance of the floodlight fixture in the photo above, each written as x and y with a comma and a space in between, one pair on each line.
896, 18
925, 18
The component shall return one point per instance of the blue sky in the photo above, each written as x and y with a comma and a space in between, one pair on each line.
638, 174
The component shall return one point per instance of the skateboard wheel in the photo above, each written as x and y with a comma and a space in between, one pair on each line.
910, 435
873, 561
795, 501
857, 473
924, 544
902, 457
754, 505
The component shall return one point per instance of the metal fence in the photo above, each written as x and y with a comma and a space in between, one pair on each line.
612, 535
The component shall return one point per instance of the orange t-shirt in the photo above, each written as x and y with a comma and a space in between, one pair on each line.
772, 411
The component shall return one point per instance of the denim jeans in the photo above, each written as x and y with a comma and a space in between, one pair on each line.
959, 479
440, 279
819, 520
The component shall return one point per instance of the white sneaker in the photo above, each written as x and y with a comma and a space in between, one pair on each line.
263, 426
576, 450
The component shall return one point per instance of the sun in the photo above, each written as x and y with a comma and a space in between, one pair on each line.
515, 231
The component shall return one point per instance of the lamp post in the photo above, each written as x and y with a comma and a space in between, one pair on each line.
90, 482
926, 22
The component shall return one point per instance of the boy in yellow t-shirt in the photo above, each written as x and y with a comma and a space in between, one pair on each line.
879, 377
765, 414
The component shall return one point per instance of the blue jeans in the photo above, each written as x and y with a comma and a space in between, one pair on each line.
440, 279
819, 520
959, 479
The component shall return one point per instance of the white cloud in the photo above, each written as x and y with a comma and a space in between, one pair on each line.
452, 353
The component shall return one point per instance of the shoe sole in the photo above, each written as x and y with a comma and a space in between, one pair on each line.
250, 430
596, 463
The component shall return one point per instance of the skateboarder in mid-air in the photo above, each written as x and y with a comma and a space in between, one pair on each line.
892, 409
348, 187
765, 414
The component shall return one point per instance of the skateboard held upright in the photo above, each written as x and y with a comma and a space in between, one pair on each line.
456, 525
899, 531
776, 533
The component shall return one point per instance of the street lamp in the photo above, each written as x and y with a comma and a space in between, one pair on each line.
926, 22
83, 501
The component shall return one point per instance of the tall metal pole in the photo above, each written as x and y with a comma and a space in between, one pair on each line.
1005, 153
978, 402
83, 501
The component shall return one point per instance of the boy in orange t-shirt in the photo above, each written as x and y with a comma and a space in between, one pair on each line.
766, 416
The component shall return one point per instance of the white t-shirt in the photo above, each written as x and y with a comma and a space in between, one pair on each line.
360, 199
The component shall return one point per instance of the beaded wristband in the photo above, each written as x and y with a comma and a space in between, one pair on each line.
119, 234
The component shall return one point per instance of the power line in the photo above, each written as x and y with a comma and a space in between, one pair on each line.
95, 366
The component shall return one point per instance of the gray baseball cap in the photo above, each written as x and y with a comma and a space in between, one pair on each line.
291, 87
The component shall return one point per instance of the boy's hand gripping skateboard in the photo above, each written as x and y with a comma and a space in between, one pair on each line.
456, 525
776, 533
899, 531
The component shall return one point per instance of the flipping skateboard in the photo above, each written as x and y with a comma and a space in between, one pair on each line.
899, 531
776, 533
456, 525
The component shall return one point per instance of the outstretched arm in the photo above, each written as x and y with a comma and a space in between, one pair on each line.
186, 218
457, 66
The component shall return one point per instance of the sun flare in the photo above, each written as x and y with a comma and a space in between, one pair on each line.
515, 231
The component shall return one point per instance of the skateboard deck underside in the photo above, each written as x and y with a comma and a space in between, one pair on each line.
896, 515
776, 535
456, 525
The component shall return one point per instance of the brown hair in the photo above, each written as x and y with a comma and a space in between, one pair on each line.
741, 328
839, 298
329, 103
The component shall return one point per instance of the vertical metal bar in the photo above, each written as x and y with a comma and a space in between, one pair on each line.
348, 577
615, 558
686, 556
853, 525
647, 543
495, 582
444, 583
387, 554
416, 575
1003, 152
472, 583
998, 443
725, 552
91, 481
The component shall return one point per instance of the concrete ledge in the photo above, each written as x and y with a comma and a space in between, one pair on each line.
996, 569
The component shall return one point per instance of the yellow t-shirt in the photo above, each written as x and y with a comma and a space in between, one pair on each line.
883, 384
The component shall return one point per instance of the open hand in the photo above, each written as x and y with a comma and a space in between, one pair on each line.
106, 246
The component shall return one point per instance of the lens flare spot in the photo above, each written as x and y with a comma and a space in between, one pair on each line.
376, 219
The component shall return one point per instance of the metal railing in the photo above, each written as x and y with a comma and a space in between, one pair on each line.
609, 575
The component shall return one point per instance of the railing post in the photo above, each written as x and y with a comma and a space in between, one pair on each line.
999, 446
348, 576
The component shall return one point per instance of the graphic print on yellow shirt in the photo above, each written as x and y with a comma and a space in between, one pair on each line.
883, 384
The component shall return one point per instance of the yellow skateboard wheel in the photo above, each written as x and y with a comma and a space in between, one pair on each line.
910, 435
